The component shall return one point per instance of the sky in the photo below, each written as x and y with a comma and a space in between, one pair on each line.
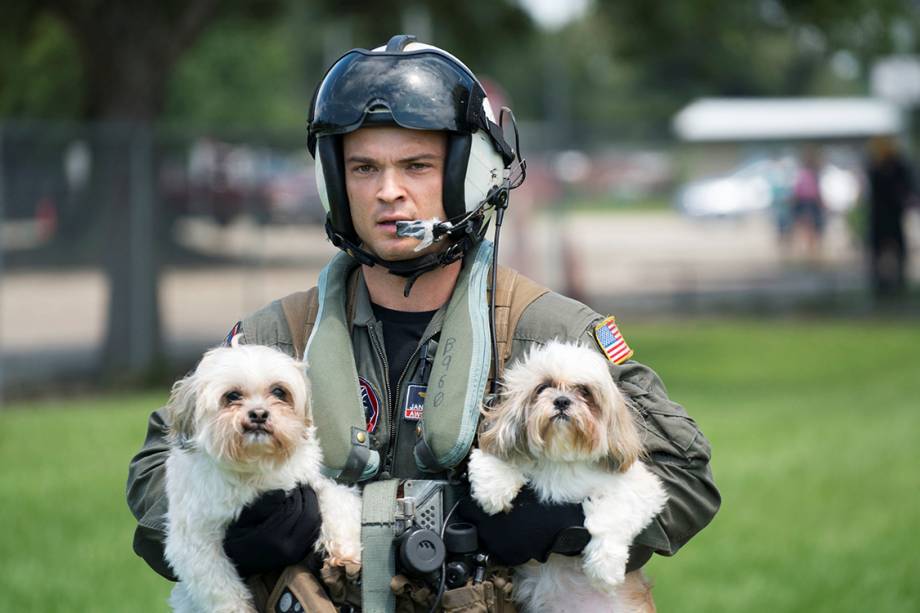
551, 14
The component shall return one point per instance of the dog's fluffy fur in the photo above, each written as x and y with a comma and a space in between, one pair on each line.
563, 427
241, 425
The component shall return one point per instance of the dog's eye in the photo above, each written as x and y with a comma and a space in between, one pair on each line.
584, 391
543, 386
279, 392
233, 396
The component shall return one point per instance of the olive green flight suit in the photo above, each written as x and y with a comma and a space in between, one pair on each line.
678, 452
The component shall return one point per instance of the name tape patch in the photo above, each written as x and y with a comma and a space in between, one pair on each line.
415, 402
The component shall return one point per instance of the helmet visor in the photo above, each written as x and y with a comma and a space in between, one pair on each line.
423, 90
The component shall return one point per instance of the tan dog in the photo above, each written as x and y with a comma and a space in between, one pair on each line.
241, 425
564, 428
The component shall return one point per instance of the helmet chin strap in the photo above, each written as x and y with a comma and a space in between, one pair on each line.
464, 233
410, 269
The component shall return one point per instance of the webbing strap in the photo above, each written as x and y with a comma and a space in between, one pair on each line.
300, 310
378, 558
515, 293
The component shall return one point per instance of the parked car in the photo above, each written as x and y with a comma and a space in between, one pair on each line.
757, 186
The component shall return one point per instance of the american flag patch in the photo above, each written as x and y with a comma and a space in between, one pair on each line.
611, 341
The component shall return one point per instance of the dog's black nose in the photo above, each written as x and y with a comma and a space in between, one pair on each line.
561, 403
258, 416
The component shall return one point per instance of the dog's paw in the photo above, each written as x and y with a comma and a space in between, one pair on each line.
494, 484
343, 554
605, 564
494, 505
339, 561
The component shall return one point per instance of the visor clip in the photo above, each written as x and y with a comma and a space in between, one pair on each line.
398, 43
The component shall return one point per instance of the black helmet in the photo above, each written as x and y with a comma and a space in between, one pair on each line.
416, 86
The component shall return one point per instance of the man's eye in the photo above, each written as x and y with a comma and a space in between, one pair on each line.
279, 392
363, 169
233, 396
419, 166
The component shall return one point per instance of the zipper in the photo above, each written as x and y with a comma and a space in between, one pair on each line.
386, 375
423, 346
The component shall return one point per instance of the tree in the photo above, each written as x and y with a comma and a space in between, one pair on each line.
127, 51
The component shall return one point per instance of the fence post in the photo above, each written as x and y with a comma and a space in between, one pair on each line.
144, 344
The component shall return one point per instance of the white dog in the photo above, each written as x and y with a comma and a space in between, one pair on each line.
563, 427
241, 425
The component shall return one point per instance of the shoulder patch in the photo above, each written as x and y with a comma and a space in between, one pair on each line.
234, 332
611, 341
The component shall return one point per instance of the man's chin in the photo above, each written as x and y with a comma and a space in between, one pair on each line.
403, 253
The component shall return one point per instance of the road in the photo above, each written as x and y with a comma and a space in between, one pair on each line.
623, 263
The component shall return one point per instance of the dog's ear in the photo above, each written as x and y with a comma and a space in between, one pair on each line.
623, 439
503, 428
180, 411
305, 395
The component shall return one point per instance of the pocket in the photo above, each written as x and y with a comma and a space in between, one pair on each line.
471, 598
666, 426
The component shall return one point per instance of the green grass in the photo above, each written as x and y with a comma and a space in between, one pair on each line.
67, 532
813, 427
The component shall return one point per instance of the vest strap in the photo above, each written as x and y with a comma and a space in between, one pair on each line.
445, 436
334, 378
378, 557
460, 370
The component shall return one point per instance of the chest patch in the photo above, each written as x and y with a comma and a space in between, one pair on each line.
371, 401
235, 331
415, 402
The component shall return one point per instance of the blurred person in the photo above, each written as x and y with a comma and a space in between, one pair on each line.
781, 176
411, 167
808, 210
891, 188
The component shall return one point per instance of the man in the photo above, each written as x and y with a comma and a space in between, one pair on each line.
411, 167
891, 190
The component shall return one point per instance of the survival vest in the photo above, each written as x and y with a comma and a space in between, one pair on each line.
447, 433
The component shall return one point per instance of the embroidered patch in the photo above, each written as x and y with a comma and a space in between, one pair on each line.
611, 341
234, 332
371, 402
415, 402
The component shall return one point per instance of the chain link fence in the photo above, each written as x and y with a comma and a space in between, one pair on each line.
125, 251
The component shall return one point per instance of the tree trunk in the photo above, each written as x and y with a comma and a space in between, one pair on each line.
129, 48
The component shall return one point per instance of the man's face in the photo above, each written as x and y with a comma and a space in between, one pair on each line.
393, 174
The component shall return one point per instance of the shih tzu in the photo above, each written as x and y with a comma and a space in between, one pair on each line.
241, 425
563, 427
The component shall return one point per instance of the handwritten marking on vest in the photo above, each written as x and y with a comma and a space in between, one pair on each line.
447, 357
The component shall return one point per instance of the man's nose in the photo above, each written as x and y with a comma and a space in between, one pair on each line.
390, 188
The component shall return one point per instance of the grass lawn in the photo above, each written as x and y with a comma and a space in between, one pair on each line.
812, 425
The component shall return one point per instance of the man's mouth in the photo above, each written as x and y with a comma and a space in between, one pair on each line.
389, 223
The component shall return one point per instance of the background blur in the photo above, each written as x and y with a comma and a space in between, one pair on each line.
155, 187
